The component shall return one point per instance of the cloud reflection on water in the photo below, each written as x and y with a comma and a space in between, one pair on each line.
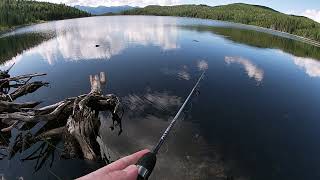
311, 66
159, 101
181, 73
184, 74
74, 41
203, 65
251, 69
186, 154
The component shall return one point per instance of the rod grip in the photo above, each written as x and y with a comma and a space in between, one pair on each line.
145, 165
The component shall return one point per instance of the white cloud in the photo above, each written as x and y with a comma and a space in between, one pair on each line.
311, 66
312, 14
184, 75
181, 73
160, 101
152, 111
251, 69
77, 40
116, 3
203, 65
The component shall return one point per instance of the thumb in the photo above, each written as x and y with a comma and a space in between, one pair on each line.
129, 173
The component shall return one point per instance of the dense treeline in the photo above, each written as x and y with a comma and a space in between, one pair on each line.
20, 12
239, 13
11, 46
263, 40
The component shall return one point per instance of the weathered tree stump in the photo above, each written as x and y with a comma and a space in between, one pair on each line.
74, 120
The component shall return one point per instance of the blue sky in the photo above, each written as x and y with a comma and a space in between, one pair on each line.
281, 5
309, 8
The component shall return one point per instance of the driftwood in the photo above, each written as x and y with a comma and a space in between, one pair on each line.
5, 74
21, 82
14, 107
4, 86
18, 78
23, 90
21, 87
74, 120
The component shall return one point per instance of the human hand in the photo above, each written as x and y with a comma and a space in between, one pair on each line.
122, 169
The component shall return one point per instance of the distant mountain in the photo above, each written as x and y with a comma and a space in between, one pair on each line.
103, 9
239, 13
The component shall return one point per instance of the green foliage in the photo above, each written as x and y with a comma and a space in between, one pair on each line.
262, 40
239, 13
11, 46
20, 12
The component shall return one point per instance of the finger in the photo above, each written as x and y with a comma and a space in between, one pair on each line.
118, 165
125, 161
129, 173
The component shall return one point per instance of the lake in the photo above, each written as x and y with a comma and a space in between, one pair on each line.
256, 115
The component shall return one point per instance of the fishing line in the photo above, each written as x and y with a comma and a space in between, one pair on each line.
148, 161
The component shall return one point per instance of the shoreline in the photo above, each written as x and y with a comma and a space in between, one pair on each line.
297, 37
13, 28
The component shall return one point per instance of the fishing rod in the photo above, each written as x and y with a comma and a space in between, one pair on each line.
148, 161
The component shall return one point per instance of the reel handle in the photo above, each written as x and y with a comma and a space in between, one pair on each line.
145, 165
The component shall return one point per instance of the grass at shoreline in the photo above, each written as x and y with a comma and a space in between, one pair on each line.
3, 29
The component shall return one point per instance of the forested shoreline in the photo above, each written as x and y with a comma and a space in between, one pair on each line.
262, 40
15, 13
239, 13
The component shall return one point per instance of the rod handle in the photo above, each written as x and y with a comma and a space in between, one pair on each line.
145, 165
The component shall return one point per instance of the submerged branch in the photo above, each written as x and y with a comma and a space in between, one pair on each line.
16, 78
74, 120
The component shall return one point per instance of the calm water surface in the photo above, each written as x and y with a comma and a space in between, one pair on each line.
256, 116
